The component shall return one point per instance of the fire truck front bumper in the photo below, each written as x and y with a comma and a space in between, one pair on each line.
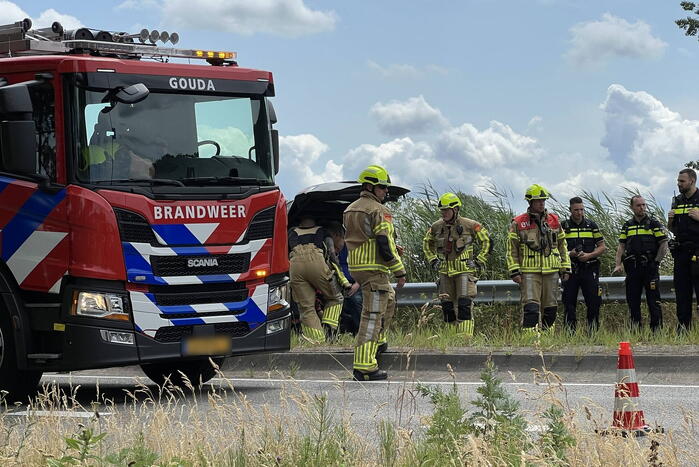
89, 346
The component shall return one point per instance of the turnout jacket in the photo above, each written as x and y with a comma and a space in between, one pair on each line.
453, 243
312, 241
370, 237
536, 244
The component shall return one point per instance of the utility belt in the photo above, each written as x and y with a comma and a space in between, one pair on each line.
579, 266
641, 260
684, 248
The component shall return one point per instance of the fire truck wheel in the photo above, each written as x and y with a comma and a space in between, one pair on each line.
197, 372
15, 385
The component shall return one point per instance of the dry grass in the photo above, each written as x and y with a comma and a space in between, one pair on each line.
155, 426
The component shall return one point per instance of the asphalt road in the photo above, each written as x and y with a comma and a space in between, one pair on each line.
590, 396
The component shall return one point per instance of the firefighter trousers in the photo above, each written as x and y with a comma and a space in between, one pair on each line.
378, 308
310, 273
686, 282
585, 277
538, 292
639, 278
456, 295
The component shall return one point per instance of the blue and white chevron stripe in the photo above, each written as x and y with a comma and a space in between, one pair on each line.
147, 314
138, 266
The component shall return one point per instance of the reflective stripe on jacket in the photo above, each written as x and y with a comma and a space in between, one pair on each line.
366, 220
453, 243
536, 247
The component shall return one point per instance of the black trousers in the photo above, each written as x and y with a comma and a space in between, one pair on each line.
686, 286
585, 277
639, 277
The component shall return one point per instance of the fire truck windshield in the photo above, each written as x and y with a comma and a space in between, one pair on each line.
173, 139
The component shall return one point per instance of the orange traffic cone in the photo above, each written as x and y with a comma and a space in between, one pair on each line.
628, 416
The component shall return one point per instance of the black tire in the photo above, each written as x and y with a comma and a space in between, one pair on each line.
19, 385
196, 371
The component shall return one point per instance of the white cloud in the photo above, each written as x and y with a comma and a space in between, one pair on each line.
289, 18
11, 13
535, 123
47, 17
646, 142
650, 141
497, 145
408, 117
404, 70
137, 4
595, 42
299, 153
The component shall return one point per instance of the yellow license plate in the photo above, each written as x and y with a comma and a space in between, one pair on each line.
217, 345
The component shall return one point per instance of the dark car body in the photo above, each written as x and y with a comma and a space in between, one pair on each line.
327, 201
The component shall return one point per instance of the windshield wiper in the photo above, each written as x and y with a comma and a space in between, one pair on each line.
224, 181
149, 181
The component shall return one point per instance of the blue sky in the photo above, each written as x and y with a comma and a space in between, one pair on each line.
574, 95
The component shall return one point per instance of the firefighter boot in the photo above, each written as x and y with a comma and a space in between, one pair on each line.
376, 375
530, 323
548, 320
465, 325
448, 310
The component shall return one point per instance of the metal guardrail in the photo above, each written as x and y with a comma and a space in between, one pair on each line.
507, 292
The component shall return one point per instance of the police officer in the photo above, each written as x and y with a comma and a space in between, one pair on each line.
312, 268
373, 256
642, 245
536, 257
448, 246
585, 245
683, 221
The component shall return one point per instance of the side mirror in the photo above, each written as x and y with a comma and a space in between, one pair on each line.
18, 146
132, 94
275, 150
17, 130
15, 103
270, 111
129, 95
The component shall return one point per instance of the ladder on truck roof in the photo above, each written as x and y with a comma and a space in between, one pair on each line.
19, 39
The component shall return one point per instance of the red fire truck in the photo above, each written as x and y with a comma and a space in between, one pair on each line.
139, 218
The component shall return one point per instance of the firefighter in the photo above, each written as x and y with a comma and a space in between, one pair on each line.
585, 245
536, 257
312, 268
642, 245
373, 256
331, 318
448, 246
106, 158
683, 221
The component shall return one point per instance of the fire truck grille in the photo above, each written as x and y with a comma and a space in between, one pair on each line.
223, 296
177, 333
134, 228
262, 225
167, 266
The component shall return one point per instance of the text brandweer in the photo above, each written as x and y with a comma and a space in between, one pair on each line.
198, 212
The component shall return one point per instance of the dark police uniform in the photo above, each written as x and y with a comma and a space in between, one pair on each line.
642, 241
685, 253
584, 237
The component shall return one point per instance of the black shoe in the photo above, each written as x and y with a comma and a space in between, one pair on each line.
382, 348
376, 375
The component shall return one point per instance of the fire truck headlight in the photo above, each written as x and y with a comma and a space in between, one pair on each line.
278, 297
99, 305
